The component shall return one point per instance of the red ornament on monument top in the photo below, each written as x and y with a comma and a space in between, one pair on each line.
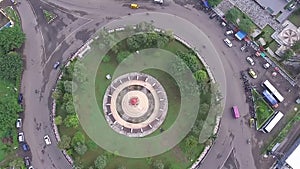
134, 101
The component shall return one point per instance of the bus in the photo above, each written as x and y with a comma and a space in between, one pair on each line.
271, 122
273, 91
268, 96
236, 113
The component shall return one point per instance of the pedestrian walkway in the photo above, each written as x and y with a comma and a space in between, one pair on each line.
258, 15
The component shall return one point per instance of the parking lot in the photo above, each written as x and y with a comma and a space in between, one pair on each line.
289, 92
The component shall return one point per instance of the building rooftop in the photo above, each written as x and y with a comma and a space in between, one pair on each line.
293, 159
274, 6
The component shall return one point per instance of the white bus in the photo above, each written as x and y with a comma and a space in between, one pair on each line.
272, 121
273, 90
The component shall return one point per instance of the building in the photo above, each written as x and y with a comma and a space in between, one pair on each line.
291, 158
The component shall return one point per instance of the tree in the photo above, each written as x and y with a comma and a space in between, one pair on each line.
8, 111
201, 76
296, 47
232, 15
80, 148
11, 38
122, 55
58, 120
78, 138
158, 164
106, 58
287, 55
64, 143
11, 66
246, 25
71, 121
197, 127
100, 162
190, 144
69, 107
16, 163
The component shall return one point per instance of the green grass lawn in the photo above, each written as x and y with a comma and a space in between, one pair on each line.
294, 17
12, 14
174, 158
268, 32
262, 108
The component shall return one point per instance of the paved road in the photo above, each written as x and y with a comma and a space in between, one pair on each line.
37, 122
37, 75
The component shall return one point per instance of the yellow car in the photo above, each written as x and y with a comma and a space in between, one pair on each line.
251, 122
134, 6
252, 73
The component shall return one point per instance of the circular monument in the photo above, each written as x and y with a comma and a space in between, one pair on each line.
135, 104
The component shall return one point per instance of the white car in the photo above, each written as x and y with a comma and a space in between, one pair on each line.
47, 140
229, 32
21, 137
250, 61
19, 123
266, 65
30, 167
56, 65
228, 42
159, 1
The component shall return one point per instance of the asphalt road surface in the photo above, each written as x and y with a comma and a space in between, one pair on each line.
39, 78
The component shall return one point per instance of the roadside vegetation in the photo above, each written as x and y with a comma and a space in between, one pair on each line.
10, 75
294, 121
262, 109
240, 19
49, 16
13, 15
86, 153
214, 3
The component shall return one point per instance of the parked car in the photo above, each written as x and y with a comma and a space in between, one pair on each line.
250, 60
291, 6
14, 2
47, 140
252, 73
243, 47
25, 147
212, 15
26, 161
158, 1
134, 6
298, 100
252, 122
56, 65
19, 123
266, 65
20, 98
228, 42
21, 137
223, 24
229, 32
30, 167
